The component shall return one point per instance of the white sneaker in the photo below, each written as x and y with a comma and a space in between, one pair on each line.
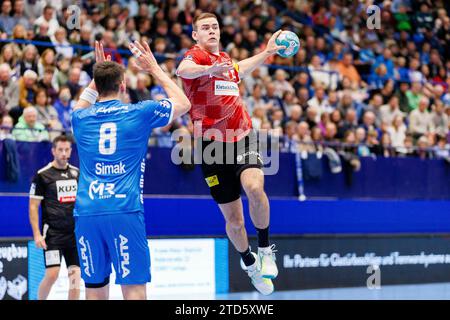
266, 260
263, 285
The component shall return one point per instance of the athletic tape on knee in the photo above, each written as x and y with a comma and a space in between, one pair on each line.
74, 277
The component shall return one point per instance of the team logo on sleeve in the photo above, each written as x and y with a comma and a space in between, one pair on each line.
165, 103
189, 57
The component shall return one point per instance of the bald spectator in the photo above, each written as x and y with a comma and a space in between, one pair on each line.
420, 122
28, 128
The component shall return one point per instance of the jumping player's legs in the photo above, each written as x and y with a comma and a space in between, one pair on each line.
252, 180
234, 224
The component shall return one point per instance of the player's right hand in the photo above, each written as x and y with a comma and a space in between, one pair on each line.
145, 60
40, 242
219, 69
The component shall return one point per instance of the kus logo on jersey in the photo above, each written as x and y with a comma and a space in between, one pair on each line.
66, 190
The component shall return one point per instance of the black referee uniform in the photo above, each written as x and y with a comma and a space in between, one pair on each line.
57, 188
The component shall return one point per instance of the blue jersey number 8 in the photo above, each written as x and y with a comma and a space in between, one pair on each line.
108, 138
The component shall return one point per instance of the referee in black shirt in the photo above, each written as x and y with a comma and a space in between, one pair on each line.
54, 188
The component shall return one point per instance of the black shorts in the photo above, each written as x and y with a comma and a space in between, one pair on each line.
52, 257
223, 163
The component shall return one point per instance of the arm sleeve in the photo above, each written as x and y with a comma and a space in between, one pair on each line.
37, 188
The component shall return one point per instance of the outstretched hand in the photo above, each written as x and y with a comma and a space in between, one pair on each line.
145, 60
272, 47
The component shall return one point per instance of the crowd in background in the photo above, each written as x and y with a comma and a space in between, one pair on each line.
381, 91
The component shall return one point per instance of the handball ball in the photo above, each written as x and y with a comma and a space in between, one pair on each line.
290, 41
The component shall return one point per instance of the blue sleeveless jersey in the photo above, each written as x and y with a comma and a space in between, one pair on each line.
112, 142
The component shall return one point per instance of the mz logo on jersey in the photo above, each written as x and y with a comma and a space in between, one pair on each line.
103, 190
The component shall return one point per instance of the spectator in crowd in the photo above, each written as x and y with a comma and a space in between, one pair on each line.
48, 17
29, 61
7, 125
141, 92
422, 150
62, 45
10, 88
397, 131
440, 121
391, 110
420, 121
360, 139
73, 82
47, 114
347, 69
20, 16
7, 22
28, 128
442, 149
64, 107
27, 88
414, 95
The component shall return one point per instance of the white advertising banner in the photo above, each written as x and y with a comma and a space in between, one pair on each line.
178, 267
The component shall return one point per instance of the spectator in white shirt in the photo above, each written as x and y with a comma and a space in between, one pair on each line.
48, 16
420, 122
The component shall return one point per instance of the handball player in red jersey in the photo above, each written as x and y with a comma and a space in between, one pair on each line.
230, 154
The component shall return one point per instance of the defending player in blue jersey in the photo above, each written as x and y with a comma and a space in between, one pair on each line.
112, 141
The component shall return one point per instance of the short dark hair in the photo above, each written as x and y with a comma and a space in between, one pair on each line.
107, 77
202, 16
61, 138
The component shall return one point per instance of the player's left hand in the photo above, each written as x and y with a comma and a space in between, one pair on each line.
272, 47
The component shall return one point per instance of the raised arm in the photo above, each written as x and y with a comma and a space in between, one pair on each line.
188, 69
91, 90
147, 62
248, 65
